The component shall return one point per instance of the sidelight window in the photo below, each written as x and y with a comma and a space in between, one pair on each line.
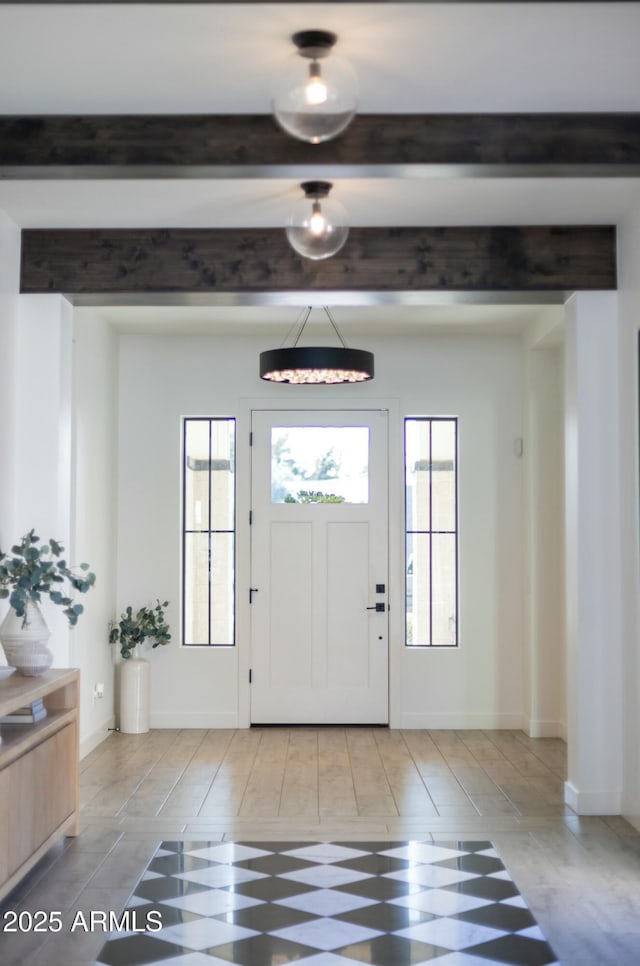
208, 532
431, 540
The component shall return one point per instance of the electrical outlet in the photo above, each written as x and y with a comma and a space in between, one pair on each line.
98, 691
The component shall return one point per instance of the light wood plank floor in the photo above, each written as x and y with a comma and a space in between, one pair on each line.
581, 876
322, 775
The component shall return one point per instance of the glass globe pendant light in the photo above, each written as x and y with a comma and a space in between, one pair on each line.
320, 229
316, 93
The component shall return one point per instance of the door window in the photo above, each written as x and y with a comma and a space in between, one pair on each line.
320, 464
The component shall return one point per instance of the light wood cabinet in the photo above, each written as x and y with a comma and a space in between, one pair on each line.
39, 786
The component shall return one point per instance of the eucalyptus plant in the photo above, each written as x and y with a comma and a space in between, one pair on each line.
133, 629
36, 570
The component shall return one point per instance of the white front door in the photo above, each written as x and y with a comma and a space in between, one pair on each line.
319, 625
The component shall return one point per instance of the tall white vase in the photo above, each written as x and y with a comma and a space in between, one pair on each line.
134, 696
25, 641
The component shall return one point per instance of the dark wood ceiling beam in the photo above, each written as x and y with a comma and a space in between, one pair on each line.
130, 262
375, 145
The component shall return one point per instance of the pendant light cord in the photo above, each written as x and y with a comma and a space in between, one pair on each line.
302, 320
335, 327
304, 315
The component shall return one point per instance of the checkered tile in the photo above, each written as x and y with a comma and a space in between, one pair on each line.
328, 904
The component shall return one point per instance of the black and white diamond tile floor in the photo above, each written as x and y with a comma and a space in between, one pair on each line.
327, 904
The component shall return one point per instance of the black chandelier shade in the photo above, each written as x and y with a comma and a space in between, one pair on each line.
316, 365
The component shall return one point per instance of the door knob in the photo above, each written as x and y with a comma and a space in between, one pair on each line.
379, 608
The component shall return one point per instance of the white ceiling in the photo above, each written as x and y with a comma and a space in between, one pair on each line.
354, 321
414, 57
266, 203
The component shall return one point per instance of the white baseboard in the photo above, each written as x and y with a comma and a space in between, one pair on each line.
632, 820
193, 719
630, 808
461, 720
89, 742
546, 729
592, 802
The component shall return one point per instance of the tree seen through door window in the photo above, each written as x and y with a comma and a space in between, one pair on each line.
319, 464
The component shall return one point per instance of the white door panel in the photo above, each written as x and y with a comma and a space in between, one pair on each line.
348, 584
290, 584
319, 653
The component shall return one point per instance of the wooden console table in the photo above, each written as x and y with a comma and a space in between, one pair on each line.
39, 774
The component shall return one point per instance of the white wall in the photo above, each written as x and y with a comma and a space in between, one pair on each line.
545, 675
41, 464
596, 530
94, 508
58, 397
629, 303
9, 272
478, 379
162, 380
479, 684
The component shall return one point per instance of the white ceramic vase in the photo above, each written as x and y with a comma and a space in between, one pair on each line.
24, 640
134, 696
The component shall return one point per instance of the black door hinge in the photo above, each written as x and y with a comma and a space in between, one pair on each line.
250, 674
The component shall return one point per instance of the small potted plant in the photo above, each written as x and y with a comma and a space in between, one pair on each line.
131, 631
35, 571
147, 624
